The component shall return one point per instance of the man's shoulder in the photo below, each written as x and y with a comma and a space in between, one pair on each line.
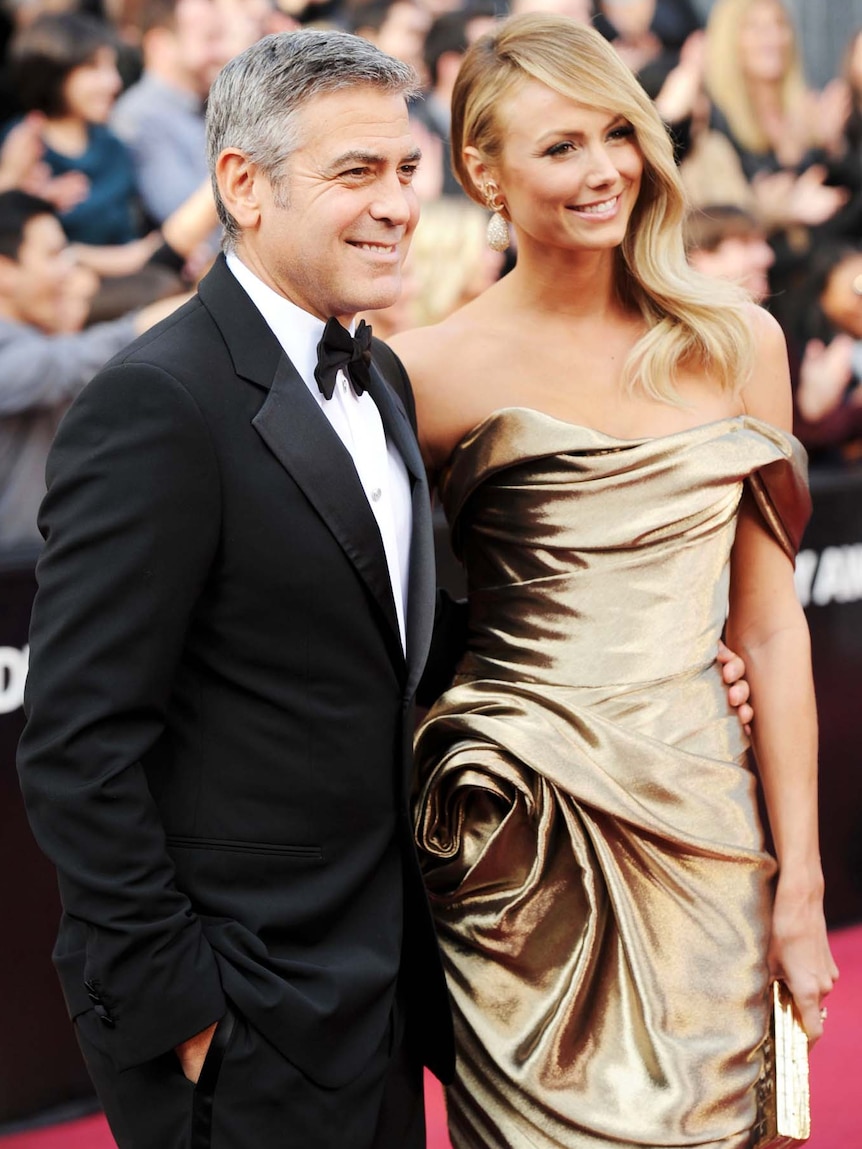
179, 366
137, 96
185, 348
185, 337
11, 331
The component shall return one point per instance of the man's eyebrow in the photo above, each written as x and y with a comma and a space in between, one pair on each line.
360, 158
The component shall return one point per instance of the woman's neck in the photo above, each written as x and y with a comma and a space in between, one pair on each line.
579, 285
68, 135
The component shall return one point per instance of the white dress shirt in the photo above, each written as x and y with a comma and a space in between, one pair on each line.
356, 421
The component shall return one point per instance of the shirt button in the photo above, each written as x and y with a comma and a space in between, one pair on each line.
375, 495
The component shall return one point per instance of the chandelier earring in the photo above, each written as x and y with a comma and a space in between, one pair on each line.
498, 228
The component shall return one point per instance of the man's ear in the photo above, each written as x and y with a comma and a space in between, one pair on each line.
239, 186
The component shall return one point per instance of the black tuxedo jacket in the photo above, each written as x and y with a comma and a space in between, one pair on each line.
217, 753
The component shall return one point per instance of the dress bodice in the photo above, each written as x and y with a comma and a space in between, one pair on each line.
590, 558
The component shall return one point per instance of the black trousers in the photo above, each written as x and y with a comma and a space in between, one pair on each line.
250, 1097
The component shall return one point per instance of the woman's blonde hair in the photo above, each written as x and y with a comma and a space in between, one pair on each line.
725, 78
690, 319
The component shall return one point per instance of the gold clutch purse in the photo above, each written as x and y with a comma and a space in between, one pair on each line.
783, 1098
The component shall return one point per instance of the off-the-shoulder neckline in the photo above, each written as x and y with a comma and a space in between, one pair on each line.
499, 412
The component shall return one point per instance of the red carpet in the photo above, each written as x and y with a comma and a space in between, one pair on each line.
836, 1075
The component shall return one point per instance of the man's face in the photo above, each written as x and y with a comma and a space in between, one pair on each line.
333, 237
403, 33
200, 43
36, 279
743, 259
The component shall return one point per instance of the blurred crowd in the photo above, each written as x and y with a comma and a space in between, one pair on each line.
106, 218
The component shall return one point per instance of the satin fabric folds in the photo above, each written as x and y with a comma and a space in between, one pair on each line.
586, 814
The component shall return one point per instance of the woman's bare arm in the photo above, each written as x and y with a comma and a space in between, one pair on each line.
767, 626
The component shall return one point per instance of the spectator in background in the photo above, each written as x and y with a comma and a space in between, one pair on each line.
825, 358
709, 166
448, 38
725, 242
846, 166
783, 131
161, 116
45, 357
646, 30
397, 27
580, 10
755, 79
127, 275
64, 67
450, 261
826, 317
851, 81
247, 21
21, 163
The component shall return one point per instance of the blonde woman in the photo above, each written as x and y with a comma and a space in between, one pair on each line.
754, 75
781, 128
608, 431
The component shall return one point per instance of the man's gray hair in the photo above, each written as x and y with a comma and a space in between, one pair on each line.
254, 101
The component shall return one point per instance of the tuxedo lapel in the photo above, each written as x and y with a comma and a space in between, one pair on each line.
422, 577
299, 435
293, 427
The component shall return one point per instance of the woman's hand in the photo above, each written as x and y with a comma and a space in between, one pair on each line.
799, 951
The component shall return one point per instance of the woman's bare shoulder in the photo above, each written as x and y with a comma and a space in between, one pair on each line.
445, 366
424, 350
767, 393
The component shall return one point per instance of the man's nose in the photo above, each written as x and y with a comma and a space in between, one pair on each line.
393, 200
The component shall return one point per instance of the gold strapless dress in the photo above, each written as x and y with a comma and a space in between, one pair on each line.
586, 814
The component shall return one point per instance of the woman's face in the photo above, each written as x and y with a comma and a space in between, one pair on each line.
570, 175
765, 41
91, 88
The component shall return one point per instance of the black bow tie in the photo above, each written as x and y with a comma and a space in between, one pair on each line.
338, 349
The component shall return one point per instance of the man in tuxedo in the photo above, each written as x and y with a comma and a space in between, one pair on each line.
235, 603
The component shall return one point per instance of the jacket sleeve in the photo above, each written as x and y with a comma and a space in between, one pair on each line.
131, 522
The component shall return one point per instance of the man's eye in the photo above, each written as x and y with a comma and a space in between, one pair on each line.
409, 170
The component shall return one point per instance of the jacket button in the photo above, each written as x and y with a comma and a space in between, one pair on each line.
103, 1015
